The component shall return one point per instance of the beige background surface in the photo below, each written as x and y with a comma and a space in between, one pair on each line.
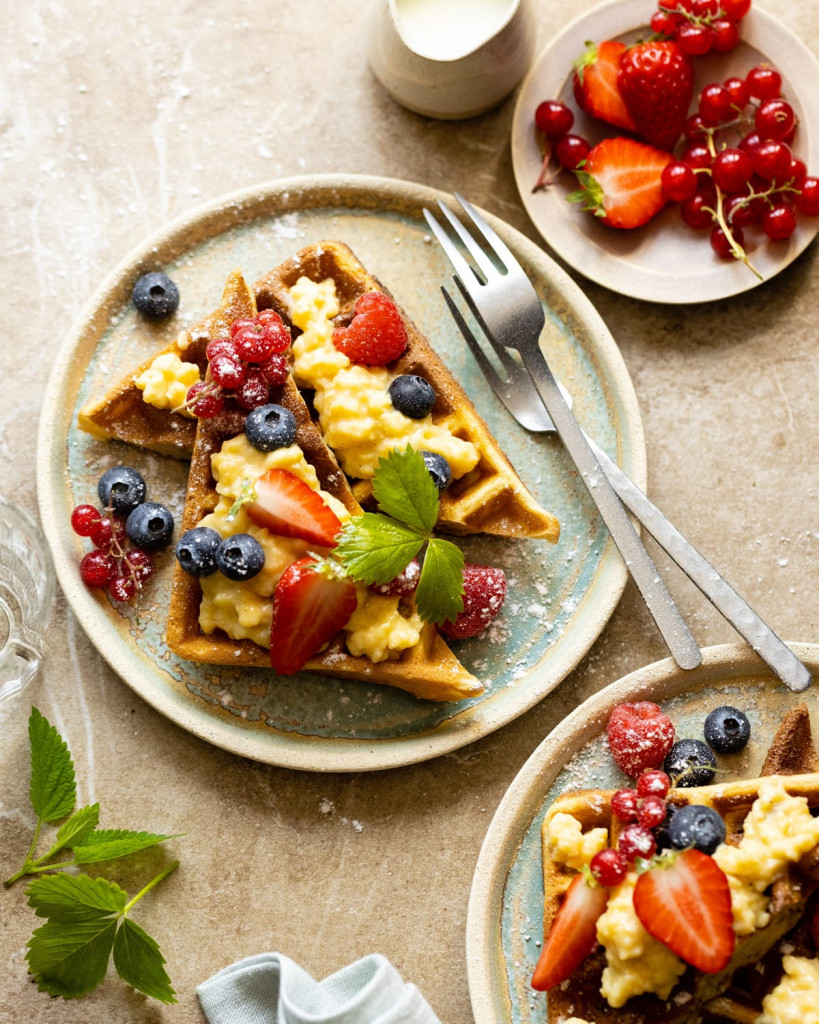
115, 117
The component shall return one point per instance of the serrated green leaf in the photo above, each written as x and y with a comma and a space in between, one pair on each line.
439, 595
374, 549
404, 489
53, 789
70, 959
78, 826
71, 898
111, 843
138, 961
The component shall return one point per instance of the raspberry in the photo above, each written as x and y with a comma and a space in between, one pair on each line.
609, 867
640, 736
484, 594
403, 584
625, 805
636, 841
376, 335
275, 370
85, 519
253, 391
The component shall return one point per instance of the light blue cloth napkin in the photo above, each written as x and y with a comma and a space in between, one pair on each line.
272, 989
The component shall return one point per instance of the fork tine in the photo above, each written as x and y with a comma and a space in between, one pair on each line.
501, 249
462, 268
512, 368
488, 370
475, 251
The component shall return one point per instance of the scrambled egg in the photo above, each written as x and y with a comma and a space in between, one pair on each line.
568, 845
166, 382
357, 417
795, 1000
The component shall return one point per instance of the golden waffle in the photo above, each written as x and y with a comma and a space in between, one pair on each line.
122, 413
490, 499
428, 670
791, 754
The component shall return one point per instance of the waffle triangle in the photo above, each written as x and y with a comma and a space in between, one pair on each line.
695, 996
123, 414
489, 499
429, 670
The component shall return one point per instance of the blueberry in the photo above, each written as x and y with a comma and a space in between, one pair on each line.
149, 526
196, 551
690, 763
412, 395
155, 296
727, 729
269, 427
438, 469
697, 826
240, 557
121, 489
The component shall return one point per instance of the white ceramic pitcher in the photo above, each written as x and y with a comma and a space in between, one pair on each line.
451, 58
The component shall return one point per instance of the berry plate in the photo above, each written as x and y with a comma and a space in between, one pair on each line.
563, 595
505, 916
664, 261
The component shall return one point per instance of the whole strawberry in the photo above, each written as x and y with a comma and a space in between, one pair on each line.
656, 81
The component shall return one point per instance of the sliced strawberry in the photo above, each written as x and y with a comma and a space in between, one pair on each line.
685, 902
656, 81
621, 182
573, 935
288, 507
309, 608
595, 84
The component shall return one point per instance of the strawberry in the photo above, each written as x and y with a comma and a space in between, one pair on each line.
310, 606
376, 335
595, 84
288, 507
573, 935
684, 901
640, 736
656, 81
622, 182
484, 594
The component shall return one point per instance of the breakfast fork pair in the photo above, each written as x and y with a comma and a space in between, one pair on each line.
510, 314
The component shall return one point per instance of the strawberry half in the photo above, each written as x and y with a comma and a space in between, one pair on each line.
309, 608
656, 81
595, 84
621, 182
573, 935
685, 902
288, 507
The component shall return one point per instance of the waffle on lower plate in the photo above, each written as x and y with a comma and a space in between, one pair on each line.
490, 499
429, 670
697, 997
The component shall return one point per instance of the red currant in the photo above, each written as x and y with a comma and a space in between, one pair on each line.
798, 172
227, 371
663, 23
554, 119
679, 181
750, 142
726, 35
775, 119
84, 520
140, 563
764, 82
740, 210
704, 8
694, 130
772, 160
97, 569
714, 104
609, 867
695, 40
205, 400
624, 805
106, 533
277, 334
697, 156
253, 391
571, 151
653, 783
220, 347
122, 588
652, 812
737, 89
722, 244
696, 211
807, 200
731, 169
636, 841
736, 9
275, 370
252, 344
779, 221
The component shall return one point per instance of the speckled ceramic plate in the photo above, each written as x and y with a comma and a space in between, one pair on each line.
664, 261
561, 597
505, 918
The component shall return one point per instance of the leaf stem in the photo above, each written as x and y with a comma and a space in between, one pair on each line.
27, 863
154, 881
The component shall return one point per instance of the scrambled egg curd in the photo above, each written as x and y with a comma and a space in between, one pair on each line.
795, 1000
166, 382
357, 417
778, 830
244, 609
569, 845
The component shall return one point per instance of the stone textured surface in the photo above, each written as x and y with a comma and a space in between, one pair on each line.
115, 117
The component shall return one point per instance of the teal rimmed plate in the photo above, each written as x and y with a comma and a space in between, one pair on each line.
560, 598
504, 927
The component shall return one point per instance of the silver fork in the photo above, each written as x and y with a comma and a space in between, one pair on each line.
522, 398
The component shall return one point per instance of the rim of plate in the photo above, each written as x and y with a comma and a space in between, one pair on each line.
290, 750
523, 799
612, 258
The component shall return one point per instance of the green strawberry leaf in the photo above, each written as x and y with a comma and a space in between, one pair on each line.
404, 489
439, 596
69, 898
70, 959
138, 961
53, 789
78, 826
375, 549
111, 843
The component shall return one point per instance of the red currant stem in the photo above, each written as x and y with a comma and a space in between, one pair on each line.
210, 388
695, 19
544, 179
719, 214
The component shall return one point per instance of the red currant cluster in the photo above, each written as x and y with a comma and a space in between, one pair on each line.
555, 120
641, 810
699, 26
248, 364
756, 180
122, 569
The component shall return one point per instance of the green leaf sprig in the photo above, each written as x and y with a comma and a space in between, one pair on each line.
376, 546
69, 955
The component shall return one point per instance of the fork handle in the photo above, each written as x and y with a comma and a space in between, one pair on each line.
659, 601
720, 593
